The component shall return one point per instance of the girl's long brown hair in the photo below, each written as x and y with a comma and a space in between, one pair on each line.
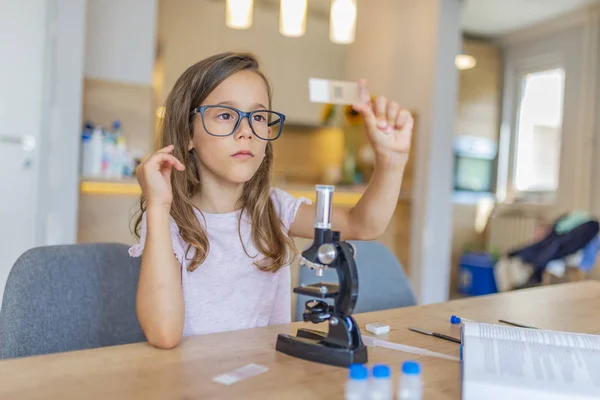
190, 90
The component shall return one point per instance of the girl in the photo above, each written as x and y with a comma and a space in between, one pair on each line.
207, 200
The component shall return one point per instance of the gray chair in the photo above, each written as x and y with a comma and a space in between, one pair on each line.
70, 297
382, 281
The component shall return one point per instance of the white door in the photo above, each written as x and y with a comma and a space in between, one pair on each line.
22, 58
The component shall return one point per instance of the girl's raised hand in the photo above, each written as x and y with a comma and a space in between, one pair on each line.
389, 127
154, 176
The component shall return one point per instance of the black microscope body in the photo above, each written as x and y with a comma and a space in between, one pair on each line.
342, 344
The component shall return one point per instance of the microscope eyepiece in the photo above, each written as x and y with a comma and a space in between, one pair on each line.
323, 206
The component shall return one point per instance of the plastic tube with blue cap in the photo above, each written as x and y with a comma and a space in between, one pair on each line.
410, 385
380, 387
357, 385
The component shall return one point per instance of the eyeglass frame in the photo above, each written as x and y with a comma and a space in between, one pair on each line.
241, 115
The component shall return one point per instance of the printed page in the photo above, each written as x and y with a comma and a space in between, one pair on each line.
550, 363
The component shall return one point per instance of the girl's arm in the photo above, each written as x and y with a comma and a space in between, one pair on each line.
159, 301
389, 129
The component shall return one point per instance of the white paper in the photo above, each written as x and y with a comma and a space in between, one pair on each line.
333, 92
534, 363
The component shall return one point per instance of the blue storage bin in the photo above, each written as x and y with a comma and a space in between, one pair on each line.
476, 276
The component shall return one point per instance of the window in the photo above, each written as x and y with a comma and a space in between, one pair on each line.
538, 132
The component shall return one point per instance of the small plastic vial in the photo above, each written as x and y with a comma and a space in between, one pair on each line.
380, 386
357, 386
410, 386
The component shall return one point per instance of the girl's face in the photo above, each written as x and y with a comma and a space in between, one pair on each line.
234, 158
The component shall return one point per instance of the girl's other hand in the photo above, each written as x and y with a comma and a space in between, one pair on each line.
154, 176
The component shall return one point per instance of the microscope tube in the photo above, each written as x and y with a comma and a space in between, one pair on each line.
323, 207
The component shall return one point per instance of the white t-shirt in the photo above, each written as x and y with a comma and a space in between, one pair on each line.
227, 291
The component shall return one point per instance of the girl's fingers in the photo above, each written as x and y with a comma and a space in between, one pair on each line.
404, 120
380, 109
178, 165
160, 158
166, 149
368, 117
393, 109
365, 97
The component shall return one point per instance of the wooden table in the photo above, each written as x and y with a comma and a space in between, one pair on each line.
140, 371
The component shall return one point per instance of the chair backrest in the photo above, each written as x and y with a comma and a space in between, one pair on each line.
70, 297
382, 281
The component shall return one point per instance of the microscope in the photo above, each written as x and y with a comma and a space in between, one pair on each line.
342, 345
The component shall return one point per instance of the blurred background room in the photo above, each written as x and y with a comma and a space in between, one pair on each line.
504, 94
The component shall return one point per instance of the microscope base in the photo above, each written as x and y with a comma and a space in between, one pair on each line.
313, 349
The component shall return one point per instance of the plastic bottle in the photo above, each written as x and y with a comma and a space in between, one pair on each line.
380, 386
410, 386
116, 128
357, 386
86, 148
129, 167
120, 158
96, 151
108, 157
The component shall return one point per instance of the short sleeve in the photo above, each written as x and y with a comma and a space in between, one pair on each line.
286, 206
176, 240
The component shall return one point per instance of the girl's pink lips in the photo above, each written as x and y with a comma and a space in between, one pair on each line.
243, 154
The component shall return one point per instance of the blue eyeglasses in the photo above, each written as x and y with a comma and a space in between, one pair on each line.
222, 120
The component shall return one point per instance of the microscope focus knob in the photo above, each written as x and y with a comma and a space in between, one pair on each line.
327, 253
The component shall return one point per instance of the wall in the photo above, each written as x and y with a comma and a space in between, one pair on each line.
107, 218
406, 49
120, 42
60, 143
479, 92
190, 30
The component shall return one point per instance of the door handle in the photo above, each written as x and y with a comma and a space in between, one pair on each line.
27, 143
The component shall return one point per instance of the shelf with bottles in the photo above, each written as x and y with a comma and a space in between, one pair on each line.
105, 155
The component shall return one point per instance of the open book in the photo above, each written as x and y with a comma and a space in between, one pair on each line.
500, 362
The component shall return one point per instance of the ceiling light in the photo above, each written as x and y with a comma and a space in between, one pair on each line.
239, 13
292, 17
342, 23
464, 61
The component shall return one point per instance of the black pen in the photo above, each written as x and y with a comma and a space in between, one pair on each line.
436, 334
515, 324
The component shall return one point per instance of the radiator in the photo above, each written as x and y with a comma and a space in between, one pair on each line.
507, 233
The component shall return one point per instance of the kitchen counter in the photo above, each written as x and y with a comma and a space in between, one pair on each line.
343, 195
